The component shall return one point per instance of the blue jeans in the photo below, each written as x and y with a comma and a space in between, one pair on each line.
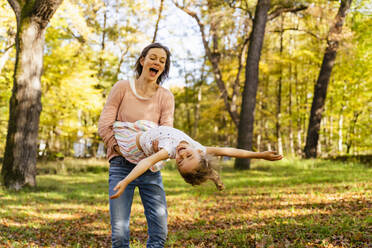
152, 194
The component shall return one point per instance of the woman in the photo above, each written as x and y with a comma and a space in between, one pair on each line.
140, 99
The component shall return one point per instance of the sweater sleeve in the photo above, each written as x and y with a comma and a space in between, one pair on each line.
109, 115
167, 110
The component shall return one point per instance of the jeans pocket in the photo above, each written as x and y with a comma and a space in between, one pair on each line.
116, 161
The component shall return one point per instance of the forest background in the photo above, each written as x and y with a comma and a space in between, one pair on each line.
90, 45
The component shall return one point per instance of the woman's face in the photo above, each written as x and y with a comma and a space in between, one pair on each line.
154, 62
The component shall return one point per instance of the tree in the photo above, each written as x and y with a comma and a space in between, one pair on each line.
245, 132
19, 166
320, 90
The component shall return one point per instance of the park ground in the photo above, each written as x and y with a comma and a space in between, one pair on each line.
291, 203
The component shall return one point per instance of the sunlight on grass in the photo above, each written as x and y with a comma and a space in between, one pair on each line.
291, 203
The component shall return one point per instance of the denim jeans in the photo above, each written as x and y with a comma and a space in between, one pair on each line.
152, 194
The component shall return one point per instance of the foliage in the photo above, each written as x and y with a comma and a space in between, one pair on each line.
351, 87
213, 126
7, 33
291, 203
92, 44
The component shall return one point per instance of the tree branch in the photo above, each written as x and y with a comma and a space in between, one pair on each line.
157, 22
236, 84
123, 53
232, 4
300, 30
44, 10
16, 8
277, 12
10, 46
15, 5
79, 38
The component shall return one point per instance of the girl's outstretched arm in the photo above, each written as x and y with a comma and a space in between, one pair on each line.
240, 153
140, 168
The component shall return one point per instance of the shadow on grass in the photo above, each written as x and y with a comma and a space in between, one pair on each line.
53, 191
75, 232
339, 227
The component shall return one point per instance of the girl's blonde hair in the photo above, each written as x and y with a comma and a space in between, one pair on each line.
207, 170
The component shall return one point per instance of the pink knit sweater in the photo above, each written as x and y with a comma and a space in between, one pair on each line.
123, 104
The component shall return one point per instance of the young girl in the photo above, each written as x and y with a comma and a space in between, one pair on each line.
139, 142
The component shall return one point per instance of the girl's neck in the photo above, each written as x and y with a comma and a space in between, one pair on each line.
146, 88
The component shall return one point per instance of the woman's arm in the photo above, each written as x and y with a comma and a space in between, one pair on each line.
167, 110
240, 153
140, 168
109, 113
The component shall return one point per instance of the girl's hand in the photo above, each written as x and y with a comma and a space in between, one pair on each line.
271, 155
120, 187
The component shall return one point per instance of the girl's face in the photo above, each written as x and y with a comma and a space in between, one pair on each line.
154, 63
187, 158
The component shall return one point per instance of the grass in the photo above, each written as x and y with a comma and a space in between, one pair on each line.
291, 203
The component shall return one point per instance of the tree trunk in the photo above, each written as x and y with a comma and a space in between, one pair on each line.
298, 109
263, 136
351, 132
197, 112
188, 109
325, 134
340, 127
279, 96
320, 90
258, 142
319, 146
331, 134
245, 131
328, 140
291, 48
103, 44
266, 127
19, 166
290, 127
198, 86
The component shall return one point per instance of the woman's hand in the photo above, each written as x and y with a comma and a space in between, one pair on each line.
117, 149
271, 155
155, 145
120, 187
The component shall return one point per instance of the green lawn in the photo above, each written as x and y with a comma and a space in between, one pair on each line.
291, 203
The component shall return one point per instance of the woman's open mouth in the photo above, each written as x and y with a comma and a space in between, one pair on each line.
153, 72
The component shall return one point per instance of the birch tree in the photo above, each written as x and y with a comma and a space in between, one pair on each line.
19, 166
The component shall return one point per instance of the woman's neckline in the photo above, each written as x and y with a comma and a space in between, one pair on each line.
133, 88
